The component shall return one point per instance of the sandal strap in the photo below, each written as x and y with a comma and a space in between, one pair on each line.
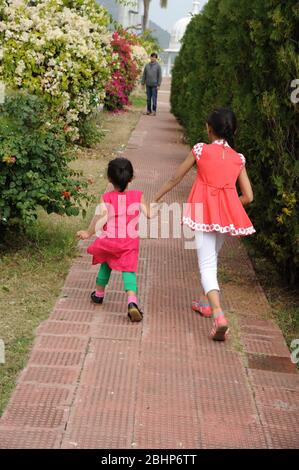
218, 315
200, 303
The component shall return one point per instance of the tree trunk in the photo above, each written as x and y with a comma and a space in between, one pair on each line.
146, 4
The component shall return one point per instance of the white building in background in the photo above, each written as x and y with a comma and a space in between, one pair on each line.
127, 16
131, 15
175, 44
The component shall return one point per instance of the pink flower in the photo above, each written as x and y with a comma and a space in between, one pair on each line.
9, 159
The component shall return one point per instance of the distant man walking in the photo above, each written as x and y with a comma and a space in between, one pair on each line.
152, 78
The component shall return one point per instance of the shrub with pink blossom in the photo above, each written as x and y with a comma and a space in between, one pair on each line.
128, 60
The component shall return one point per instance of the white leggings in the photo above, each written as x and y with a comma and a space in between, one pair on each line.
208, 245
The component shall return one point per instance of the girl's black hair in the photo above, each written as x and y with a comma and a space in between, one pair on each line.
120, 172
223, 121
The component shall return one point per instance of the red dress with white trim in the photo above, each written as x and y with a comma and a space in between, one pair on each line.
214, 204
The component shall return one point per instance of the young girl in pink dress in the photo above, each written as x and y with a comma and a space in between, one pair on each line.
221, 212
117, 243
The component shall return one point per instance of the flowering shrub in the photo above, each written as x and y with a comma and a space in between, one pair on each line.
58, 48
128, 60
140, 56
34, 156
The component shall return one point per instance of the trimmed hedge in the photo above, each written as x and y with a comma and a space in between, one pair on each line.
245, 55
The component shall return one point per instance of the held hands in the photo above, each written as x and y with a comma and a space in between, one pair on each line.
154, 208
157, 199
83, 235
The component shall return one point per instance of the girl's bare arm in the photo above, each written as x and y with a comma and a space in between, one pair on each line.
149, 210
177, 177
97, 223
245, 187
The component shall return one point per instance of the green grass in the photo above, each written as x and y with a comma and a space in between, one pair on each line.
33, 267
138, 102
138, 98
224, 275
283, 299
33, 270
31, 276
235, 338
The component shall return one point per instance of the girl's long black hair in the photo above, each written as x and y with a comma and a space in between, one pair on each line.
120, 172
223, 121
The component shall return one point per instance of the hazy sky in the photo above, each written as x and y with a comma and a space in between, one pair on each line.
176, 9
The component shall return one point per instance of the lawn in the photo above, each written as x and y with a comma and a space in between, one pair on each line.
283, 299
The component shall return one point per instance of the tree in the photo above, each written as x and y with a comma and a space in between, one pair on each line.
146, 6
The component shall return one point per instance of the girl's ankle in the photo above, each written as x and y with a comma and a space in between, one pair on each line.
217, 312
219, 317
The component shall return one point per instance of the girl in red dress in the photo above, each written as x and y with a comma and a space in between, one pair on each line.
214, 209
116, 226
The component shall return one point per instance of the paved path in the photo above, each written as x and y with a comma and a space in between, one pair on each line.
96, 380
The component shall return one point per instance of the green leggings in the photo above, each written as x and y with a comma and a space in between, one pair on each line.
130, 281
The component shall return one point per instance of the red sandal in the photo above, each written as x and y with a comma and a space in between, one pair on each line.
220, 328
203, 309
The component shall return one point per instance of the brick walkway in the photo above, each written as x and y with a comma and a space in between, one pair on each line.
96, 380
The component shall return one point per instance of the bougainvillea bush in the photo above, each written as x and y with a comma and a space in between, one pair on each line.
128, 60
34, 157
57, 48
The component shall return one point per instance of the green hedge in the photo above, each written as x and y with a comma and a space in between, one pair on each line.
245, 55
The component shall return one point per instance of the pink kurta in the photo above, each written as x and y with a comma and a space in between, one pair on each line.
118, 244
214, 204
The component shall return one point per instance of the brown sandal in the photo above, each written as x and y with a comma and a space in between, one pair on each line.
134, 314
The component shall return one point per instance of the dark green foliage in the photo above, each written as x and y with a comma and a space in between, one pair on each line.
34, 157
90, 133
245, 55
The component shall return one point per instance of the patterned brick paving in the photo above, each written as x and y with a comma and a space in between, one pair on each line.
96, 380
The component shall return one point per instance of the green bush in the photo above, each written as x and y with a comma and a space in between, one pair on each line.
245, 55
34, 157
90, 132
